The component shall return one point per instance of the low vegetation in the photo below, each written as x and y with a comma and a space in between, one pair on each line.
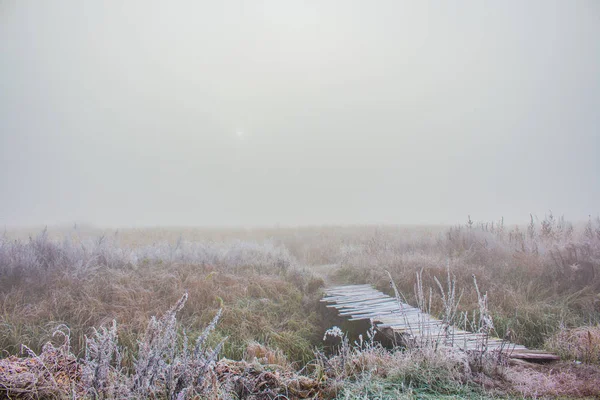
77, 311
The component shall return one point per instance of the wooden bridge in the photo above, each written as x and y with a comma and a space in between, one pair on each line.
397, 319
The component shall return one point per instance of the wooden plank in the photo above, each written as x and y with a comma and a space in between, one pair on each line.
380, 300
527, 355
343, 299
360, 302
370, 309
402, 325
368, 306
419, 332
350, 306
375, 298
353, 293
339, 301
413, 315
359, 297
350, 293
382, 313
357, 317
379, 303
408, 318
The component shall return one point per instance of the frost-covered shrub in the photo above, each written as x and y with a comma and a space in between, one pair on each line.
165, 367
40, 256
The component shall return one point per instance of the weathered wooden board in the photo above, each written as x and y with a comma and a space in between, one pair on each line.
363, 302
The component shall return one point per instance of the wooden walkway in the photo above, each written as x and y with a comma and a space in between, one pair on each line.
394, 318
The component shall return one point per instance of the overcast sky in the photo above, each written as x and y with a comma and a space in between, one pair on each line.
210, 113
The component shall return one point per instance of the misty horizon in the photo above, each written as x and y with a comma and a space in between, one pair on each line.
272, 113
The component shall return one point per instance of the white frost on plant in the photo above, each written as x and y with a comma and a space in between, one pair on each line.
333, 332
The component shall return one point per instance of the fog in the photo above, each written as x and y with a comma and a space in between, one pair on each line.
245, 113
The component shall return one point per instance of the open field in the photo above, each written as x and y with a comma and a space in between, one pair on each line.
542, 283
139, 141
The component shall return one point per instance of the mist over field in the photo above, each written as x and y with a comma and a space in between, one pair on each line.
238, 113
319, 199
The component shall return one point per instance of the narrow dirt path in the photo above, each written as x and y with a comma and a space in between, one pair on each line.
325, 272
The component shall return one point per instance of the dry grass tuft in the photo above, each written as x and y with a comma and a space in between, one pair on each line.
560, 380
581, 344
256, 352
54, 373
